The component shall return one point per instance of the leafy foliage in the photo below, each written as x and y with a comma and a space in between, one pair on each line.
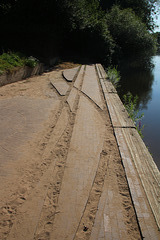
129, 33
12, 60
114, 76
130, 104
78, 27
30, 61
143, 9
6, 6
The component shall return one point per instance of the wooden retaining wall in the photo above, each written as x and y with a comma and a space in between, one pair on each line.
20, 74
142, 173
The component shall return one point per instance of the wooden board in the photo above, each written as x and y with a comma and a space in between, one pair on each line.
69, 74
138, 162
90, 86
71, 98
79, 79
82, 162
118, 114
30, 211
109, 222
61, 86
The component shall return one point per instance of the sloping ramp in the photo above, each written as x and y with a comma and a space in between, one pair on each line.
82, 162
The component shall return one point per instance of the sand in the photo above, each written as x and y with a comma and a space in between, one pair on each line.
59, 164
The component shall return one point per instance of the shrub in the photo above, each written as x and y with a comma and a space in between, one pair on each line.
31, 62
130, 104
113, 76
130, 34
12, 60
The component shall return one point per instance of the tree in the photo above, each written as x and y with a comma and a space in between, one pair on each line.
142, 8
6, 6
130, 34
78, 27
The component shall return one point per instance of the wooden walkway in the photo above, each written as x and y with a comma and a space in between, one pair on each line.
142, 174
102, 183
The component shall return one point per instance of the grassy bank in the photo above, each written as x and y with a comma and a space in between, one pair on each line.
11, 61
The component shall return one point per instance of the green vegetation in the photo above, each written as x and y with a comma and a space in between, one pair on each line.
157, 36
130, 34
130, 103
10, 61
143, 9
97, 29
114, 76
30, 62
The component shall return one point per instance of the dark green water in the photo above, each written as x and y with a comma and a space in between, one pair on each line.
146, 84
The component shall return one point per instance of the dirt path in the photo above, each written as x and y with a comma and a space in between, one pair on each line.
61, 172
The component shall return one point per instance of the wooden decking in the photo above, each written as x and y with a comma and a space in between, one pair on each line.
99, 182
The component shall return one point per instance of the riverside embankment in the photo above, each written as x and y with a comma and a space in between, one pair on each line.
73, 165
144, 81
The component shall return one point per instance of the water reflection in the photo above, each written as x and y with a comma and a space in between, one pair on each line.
145, 82
138, 81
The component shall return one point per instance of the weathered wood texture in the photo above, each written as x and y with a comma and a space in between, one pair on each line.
69, 74
101, 182
27, 219
104, 79
78, 81
61, 86
77, 86
108, 223
82, 162
133, 154
90, 86
142, 173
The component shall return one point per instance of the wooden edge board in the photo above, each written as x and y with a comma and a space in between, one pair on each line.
98, 71
118, 114
145, 215
147, 170
79, 77
141, 172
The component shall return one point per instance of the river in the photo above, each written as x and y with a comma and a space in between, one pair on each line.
146, 84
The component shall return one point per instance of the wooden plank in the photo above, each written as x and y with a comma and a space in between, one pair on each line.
28, 216
82, 162
117, 111
61, 86
77, 85
98, 71
147, 170
71, 98
103, 85
118, 114
69, 74
130, 146
79, 79
109, 221
109, 86
103, 72
90, 86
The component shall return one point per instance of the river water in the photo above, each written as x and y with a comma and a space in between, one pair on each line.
146, 84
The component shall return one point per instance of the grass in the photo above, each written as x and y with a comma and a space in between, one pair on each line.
130, 103
12, 60
114, 76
